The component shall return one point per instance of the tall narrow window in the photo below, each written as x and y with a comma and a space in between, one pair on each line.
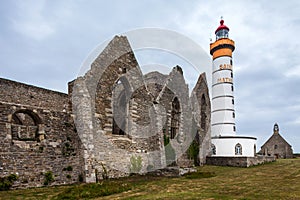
232, 101
238, 149
233, 115
175, 118
203, 112
232, 88
119, 109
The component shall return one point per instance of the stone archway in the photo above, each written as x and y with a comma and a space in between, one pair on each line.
27, 125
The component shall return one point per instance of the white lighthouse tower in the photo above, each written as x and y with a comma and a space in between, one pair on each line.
225, 141
223, 115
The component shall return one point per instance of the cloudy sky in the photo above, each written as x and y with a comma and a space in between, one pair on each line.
44, 43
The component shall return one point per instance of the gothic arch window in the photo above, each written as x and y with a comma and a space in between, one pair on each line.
275, 146
203, 112
213, 149
175, 118
238, 149
119, 108
26, 125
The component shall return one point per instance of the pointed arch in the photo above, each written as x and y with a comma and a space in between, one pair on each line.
120, 106
238, 149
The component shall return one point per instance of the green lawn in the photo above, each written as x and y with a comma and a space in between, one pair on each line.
277, 180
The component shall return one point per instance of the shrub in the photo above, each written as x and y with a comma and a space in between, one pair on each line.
7, 181
105, 172
166, 140
80, 178
48, 178
193, 152
69, 168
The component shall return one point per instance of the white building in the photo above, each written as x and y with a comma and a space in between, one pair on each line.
225, 142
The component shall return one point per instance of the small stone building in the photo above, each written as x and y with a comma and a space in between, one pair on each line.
114, 121
277, 146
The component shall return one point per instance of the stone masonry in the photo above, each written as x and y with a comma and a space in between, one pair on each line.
114, 121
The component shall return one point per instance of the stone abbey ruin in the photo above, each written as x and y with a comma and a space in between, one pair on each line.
114, 121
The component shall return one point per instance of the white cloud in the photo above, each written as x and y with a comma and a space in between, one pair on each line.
29, 20
38, 30
294, 71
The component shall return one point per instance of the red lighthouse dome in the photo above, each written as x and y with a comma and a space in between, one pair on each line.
222, 31
222, 26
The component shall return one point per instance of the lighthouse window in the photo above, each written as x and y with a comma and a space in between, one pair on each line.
223, 33
238, 149
232, 88
232, 101
231, 74
230, 61
234, 129
233, 115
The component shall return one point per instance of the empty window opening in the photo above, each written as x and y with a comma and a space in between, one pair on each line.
119, 109
203, 112
25, 124
175, 118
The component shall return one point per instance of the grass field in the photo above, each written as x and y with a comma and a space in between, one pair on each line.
277, 180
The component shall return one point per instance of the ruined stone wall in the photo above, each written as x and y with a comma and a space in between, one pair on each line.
77, 136
201, 114
37, 135
23, 94
113, 74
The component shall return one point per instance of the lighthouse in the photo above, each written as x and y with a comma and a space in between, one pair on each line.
225, 141
223, 114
